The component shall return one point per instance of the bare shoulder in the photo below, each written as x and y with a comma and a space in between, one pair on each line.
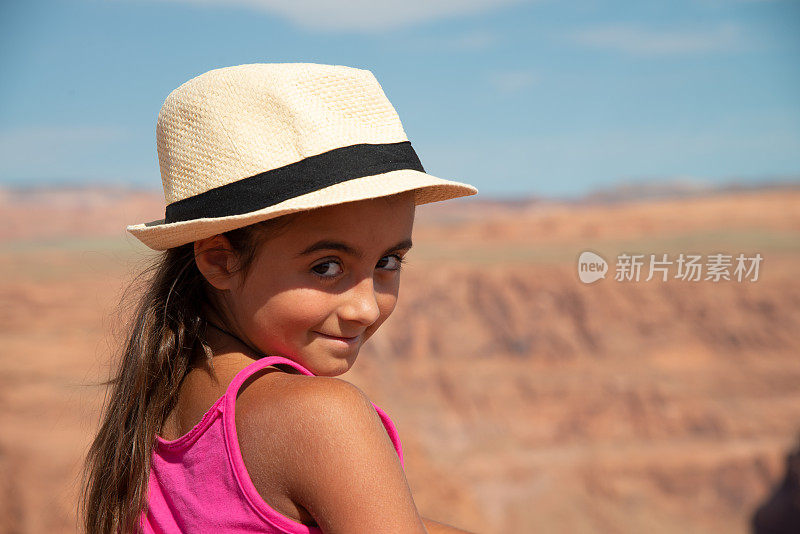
289, 420
318, 442
293, 402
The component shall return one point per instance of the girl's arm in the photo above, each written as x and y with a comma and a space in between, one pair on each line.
434, 527
321, 442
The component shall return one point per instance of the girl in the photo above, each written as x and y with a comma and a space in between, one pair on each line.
291, 191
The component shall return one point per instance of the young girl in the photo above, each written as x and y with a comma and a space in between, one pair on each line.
290, 191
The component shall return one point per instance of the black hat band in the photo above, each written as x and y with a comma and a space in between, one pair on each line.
305, 176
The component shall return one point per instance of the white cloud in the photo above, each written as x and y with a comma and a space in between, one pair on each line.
52, 149
367, 16
474, 40
470, 41
512, 81
640, 41
27, 140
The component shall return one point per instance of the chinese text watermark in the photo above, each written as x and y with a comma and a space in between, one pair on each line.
662, 267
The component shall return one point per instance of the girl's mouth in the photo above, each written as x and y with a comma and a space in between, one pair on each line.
342, 339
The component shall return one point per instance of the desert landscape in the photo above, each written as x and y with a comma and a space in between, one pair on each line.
526, 400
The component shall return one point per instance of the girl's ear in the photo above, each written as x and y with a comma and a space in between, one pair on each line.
216, 260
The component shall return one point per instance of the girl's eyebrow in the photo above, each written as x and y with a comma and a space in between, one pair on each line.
348, 249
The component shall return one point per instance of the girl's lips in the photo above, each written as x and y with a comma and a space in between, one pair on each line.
344, 339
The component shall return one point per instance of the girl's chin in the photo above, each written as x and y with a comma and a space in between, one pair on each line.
332, 365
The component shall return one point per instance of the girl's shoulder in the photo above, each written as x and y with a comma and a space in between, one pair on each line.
289, 406
313, 443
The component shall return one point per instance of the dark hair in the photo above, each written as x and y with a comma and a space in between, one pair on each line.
165, 338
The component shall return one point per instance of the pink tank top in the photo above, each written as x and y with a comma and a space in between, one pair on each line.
199, 483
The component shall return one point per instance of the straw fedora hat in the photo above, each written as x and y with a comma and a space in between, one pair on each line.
244, 144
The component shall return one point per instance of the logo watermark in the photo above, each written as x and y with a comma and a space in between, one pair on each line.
591, 267
686, 267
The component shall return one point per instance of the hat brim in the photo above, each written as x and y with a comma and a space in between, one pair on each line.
159, 235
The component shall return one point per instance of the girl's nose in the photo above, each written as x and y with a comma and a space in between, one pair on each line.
361, 304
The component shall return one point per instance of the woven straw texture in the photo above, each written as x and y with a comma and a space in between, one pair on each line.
233, 123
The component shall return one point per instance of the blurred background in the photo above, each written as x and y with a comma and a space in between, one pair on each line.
526, 399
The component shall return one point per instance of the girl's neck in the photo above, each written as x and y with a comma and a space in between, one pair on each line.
229, 346
220, 337
224, 341
232, 335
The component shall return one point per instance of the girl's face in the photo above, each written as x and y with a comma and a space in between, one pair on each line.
322, 286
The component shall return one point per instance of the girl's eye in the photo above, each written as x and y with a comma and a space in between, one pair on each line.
395, 263
331, 269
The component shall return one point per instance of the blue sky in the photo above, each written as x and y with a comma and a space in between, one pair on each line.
516, 97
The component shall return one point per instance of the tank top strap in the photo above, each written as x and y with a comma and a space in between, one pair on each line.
234, 453
394, 436
256, 366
